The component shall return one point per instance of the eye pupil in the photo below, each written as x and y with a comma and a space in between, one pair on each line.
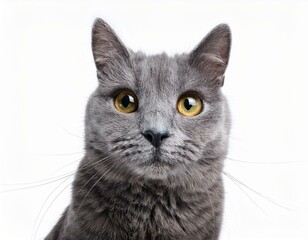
189, 103
126, 101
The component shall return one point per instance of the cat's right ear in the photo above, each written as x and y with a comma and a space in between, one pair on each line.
108, 50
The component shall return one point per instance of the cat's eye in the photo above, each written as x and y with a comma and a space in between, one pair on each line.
126, 102
189, 105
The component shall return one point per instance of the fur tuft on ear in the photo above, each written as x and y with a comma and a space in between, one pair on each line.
108, 50
211, 56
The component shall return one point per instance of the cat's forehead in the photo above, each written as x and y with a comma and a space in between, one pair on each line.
163, 75
158, 73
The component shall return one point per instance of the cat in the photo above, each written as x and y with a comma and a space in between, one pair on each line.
156, 136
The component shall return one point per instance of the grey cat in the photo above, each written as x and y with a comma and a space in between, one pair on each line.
156, 135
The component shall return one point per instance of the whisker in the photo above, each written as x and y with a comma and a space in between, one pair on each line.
48, 180
100, 178
124, 139
90, 164
124, 147
254, 191
73, 134
236, 138
39, 185
39, 224
66, 165
254, 162
59, 154
247, 195
87, 181
35, 230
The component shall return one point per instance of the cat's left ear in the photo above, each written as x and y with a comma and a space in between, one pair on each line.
211, 56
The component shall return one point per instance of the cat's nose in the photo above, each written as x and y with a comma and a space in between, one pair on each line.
155, 138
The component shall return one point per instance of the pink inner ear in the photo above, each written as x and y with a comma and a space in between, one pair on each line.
108, 50
212, 65
211, 56
214, 58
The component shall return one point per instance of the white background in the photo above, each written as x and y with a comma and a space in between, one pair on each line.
47, 74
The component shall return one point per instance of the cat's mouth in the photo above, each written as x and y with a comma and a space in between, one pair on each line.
157, 156
156, 165
157, 159
157, 168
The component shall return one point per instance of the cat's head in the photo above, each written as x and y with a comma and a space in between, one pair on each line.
159, 117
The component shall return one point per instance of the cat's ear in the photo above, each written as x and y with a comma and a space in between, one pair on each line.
108, 50
211, 56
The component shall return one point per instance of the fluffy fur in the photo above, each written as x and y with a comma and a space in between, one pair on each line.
125, 188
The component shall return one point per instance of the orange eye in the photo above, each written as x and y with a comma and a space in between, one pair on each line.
126, 102
189, 105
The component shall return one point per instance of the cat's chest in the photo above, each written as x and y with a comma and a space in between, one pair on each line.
147, 218
129, 212
159, 214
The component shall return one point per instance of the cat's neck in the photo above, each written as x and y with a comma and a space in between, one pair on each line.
98, 197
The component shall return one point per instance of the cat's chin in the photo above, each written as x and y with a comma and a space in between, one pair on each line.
156, 170
154, 173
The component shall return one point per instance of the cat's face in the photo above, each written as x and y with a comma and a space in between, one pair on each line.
159, 117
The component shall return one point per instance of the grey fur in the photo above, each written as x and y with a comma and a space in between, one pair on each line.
125, 188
